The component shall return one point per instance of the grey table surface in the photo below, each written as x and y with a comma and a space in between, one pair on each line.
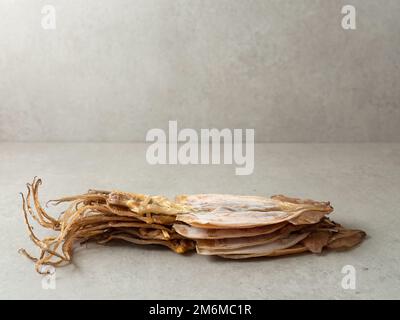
361, 180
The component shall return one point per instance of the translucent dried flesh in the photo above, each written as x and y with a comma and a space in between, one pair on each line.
236, 243
257, 250
325, 234
210, 202
242, 242
202, 233
235, 212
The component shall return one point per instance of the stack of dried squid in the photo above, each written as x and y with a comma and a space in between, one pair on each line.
229, 226
239, 227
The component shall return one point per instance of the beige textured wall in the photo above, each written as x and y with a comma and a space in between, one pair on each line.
114, 69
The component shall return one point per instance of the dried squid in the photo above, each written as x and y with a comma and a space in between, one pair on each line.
229, 226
